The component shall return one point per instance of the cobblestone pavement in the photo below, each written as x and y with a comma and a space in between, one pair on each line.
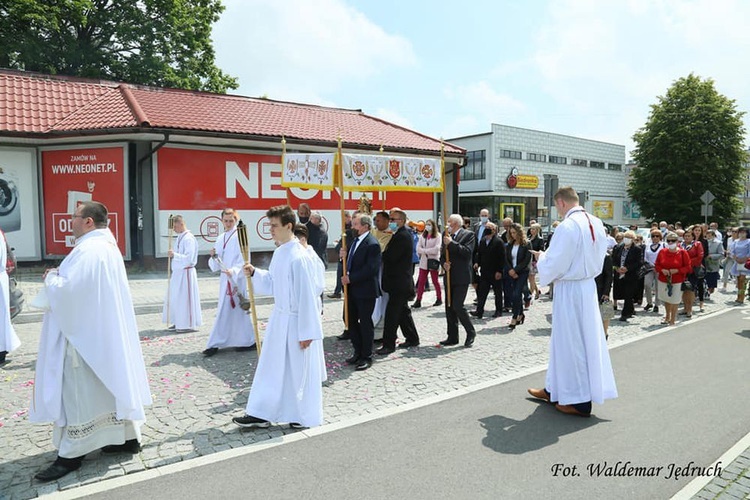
195, 397
733, 483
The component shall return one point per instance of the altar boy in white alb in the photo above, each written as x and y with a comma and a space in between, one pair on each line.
90, 376
183, 302
233, 327
580, 371
287, 382
9, 341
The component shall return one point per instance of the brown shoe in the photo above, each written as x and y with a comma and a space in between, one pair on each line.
571, 410
540, 394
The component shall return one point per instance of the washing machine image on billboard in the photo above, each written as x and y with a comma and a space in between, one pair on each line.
10, 208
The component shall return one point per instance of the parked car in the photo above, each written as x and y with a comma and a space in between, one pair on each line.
16, 295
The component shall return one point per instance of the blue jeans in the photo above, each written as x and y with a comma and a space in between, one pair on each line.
519, 286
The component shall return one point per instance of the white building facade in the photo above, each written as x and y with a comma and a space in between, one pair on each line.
505, 171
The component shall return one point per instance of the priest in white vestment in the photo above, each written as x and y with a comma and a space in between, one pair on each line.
9, 341
182, 306
90, 375
287, 382
233, 326
579, 371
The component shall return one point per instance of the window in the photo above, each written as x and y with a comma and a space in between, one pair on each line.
558, 159
536, 157
597, 164
578, 162
516, 155
615, 166
475, 166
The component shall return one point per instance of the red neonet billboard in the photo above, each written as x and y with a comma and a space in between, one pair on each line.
199, 183
71, 176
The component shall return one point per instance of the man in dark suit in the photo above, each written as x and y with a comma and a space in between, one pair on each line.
489, 261
362, 267
459, 245
398, 282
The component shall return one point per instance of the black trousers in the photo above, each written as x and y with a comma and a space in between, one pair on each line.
483, 290
361, 328
456, 313
339, 274
398, 314
520, 286
629, 287
507, 288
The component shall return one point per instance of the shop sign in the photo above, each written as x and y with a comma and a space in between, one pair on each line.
516, 181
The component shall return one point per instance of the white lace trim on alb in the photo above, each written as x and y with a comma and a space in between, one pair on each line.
87, 429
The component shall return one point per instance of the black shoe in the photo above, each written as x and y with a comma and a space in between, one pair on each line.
448, 342
506, 309
171, 328
59, 468
352, 361
498, 314
406, 345
470, 340
363, 364
129, 446
648, 307
384, 351
656, 309
378, 341
623, 318
476, 314
344, 336
527, 303
246, 348
210, 351
417, 304
295, 425
438, 302
248, 421
334, 295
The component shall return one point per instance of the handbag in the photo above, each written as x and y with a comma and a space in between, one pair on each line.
686, 286
645, 268
433, 264
699, 272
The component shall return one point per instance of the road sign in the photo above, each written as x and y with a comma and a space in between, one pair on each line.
707, 210
707, 198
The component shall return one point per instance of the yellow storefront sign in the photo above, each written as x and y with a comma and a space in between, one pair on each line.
604, 209
527, 182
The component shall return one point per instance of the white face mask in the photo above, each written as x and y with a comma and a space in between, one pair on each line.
672, 246
627, 241
483, 219
428, 228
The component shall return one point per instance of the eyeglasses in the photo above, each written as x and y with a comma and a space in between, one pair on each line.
655, 236
671, 241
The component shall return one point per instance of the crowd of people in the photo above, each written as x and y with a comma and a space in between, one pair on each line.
91, 378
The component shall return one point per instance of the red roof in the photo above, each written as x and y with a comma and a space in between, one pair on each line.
53, 105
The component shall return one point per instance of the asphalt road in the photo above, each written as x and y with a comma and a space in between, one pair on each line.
683, 398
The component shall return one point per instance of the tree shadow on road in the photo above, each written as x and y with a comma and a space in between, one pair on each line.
744, 333
542, 428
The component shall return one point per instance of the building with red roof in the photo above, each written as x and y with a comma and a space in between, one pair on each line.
149, 152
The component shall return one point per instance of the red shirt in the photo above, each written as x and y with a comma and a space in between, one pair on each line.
679, 260
696, 254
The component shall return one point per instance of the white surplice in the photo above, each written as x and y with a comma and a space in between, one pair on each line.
90, 375
183, 301
579, 365
233, 326
287, 382
319, 271
9, 341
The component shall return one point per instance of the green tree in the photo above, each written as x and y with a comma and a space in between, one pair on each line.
691, 143
152, 42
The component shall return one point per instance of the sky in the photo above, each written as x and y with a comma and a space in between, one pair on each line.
586, 68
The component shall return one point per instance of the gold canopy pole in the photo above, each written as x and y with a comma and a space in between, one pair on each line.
343, 232
170, 232
245, 249
283, 154
445, 221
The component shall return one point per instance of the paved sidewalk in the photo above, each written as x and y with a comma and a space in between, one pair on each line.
195, 397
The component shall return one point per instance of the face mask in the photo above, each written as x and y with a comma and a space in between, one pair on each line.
303, 220
392, 226
484, 219
672, 246
627, 241
428, 228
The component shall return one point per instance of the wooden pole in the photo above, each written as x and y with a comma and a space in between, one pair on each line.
245, 249
170, 232
445, 221
343, 231
283, 154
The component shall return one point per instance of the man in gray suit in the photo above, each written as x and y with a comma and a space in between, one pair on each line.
459, 245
